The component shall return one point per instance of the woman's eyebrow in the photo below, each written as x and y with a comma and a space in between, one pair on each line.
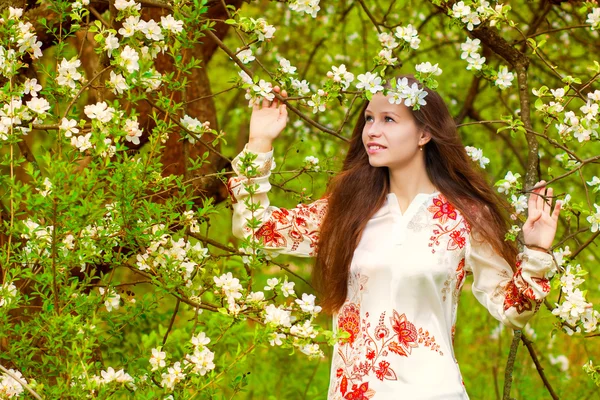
383, 112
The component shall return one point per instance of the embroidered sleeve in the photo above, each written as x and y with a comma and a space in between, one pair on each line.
511, 297
288, 231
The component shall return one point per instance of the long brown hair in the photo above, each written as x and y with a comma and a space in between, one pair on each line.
359, 190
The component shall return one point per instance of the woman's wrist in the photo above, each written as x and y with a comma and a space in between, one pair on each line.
538, 248
259, 145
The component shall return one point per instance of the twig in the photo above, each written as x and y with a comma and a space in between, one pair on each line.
171, 322
279, 97
84, 87
510, 363
21, 382
538, 366
196, 136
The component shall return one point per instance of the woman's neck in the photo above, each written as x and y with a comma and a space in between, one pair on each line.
406, 184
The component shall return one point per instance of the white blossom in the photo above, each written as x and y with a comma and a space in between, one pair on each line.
341, 75
152, 31
38, 105
264, 89
477, 156
68, 127
387, 57
171, 24
67, 72
8, 291
200, 340
408, 34
286, 67
125, 4
301, 86
173, 376
245, 77
113, 299
245, 56
519, 203
594, 219
275, 338
132, 128
118, 83
308, 6
277, 316
593, 18
287, 288
387, 40
470, 47
130, 26
9, 386
111, 43
99, 111
157, 360
595, 95
427, 68
271, 283
129, 59
82, 142
505, 78
562, 361
370, 82
307, 304
202, 360
475, 61
31, 86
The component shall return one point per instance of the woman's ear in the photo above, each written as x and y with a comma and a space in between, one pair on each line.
425, 137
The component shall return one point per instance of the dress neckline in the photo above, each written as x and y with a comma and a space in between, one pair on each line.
393, 205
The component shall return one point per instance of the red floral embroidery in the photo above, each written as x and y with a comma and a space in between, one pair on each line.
460, 274
449, 222
458, 240
515, 298
361, 392
543, 283
398, 338
289, 228
406, 331
269, 234
442, 209
344, 385
349, 320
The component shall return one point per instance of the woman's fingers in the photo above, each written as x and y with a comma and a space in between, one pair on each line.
275, 103
556, 211
539, 195
265, 103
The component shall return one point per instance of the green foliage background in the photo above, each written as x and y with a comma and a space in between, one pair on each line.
344, 33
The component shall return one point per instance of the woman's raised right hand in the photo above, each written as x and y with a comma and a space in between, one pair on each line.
267, 121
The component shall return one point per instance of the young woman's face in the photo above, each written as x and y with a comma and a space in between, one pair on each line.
390, 136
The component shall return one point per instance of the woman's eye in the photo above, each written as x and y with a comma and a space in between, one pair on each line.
368, 118
389, 119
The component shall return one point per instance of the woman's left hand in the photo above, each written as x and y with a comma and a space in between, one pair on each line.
540, 227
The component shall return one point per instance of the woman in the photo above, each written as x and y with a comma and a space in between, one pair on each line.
399, 228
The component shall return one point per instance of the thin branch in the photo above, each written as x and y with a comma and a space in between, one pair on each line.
510, 364
21, 382
84, 87
193, 134
538, 366
279, 97
171, 322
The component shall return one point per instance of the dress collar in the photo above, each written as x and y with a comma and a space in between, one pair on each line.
391, 206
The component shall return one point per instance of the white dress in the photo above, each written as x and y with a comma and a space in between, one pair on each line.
405, 279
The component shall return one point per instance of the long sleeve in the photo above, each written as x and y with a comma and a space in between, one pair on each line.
282, 231
510, 297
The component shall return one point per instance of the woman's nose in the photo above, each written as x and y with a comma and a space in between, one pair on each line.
373, 131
